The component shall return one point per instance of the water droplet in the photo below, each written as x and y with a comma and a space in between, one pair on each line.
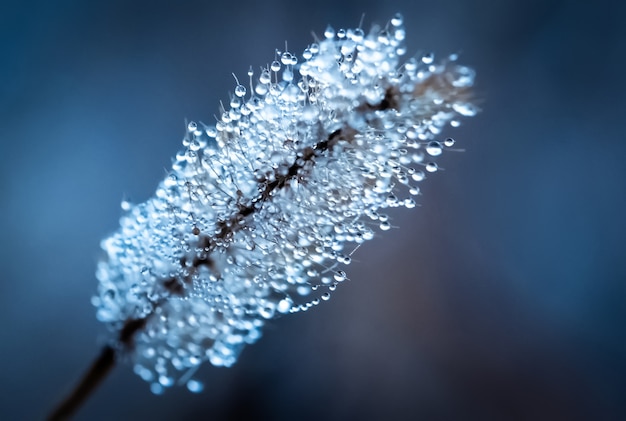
109, 295
431, 167
449, 142
329, 32
260, 89
385, 226
428, 58
125, 205
434, 148
156, 388
195, 386
307, 54
240, 91
285, 58
397, 19
465, 77
341, 33
265, 77
340, 276
284, 305
211, 131
267, 312
326, 296
275, 66
418, 176
465, 109
192, 126
358, 35
287, 75
166, 381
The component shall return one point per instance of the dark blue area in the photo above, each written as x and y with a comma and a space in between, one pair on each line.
502, 297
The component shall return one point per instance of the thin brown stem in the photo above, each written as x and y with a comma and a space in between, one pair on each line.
100, 368
98, 371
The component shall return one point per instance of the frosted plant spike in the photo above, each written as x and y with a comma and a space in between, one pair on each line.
260, 212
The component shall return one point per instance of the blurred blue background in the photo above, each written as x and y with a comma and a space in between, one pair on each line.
502, 297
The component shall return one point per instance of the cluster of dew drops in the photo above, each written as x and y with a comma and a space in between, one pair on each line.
285, 61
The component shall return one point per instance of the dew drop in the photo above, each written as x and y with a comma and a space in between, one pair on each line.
449, 142
156, 388
397, 19
211, 131
240, 91
465, 109
287, 75
260, 89
418, 176
434, 148
109, 295
326, 296
265, 77
286, 58
329, 32
465, 77
149, 352
340, 276
195, 386
428, 58
284, 305
267, 312
431, 167
166, 381
235, 102
192, 126
275, 66
385, 226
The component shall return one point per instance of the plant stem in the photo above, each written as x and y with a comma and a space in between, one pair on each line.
94, 376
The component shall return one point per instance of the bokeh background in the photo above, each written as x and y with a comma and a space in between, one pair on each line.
502, 297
